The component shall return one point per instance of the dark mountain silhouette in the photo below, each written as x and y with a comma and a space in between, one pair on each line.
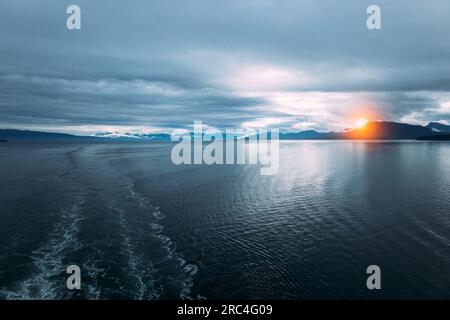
373, 130
386, 130
1, 140
27, 135
438, 127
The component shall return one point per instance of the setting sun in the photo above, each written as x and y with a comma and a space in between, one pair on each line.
361, 122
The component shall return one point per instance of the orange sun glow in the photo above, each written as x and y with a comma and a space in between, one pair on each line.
361, 123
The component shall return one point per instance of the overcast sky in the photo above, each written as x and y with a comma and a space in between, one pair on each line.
157, 65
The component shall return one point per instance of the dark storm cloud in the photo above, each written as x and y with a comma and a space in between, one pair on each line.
116, 102
166, 63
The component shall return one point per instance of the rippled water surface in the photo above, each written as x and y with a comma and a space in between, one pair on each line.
142, 228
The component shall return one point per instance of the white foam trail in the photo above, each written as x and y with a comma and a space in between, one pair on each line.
93, 271
189, 270
48, 259
136, 265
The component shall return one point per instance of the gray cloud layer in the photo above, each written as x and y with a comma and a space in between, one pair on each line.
163, 64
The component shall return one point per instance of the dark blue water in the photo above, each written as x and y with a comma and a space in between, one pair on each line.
142, 228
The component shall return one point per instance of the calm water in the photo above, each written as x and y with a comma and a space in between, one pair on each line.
142, 228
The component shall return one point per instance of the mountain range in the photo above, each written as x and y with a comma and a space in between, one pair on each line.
438, 127
377, 130
372, 130
27, 135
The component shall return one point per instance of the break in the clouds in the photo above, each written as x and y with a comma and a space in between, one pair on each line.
153, 66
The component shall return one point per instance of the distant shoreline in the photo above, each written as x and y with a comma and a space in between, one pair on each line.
435, 138
373, 130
